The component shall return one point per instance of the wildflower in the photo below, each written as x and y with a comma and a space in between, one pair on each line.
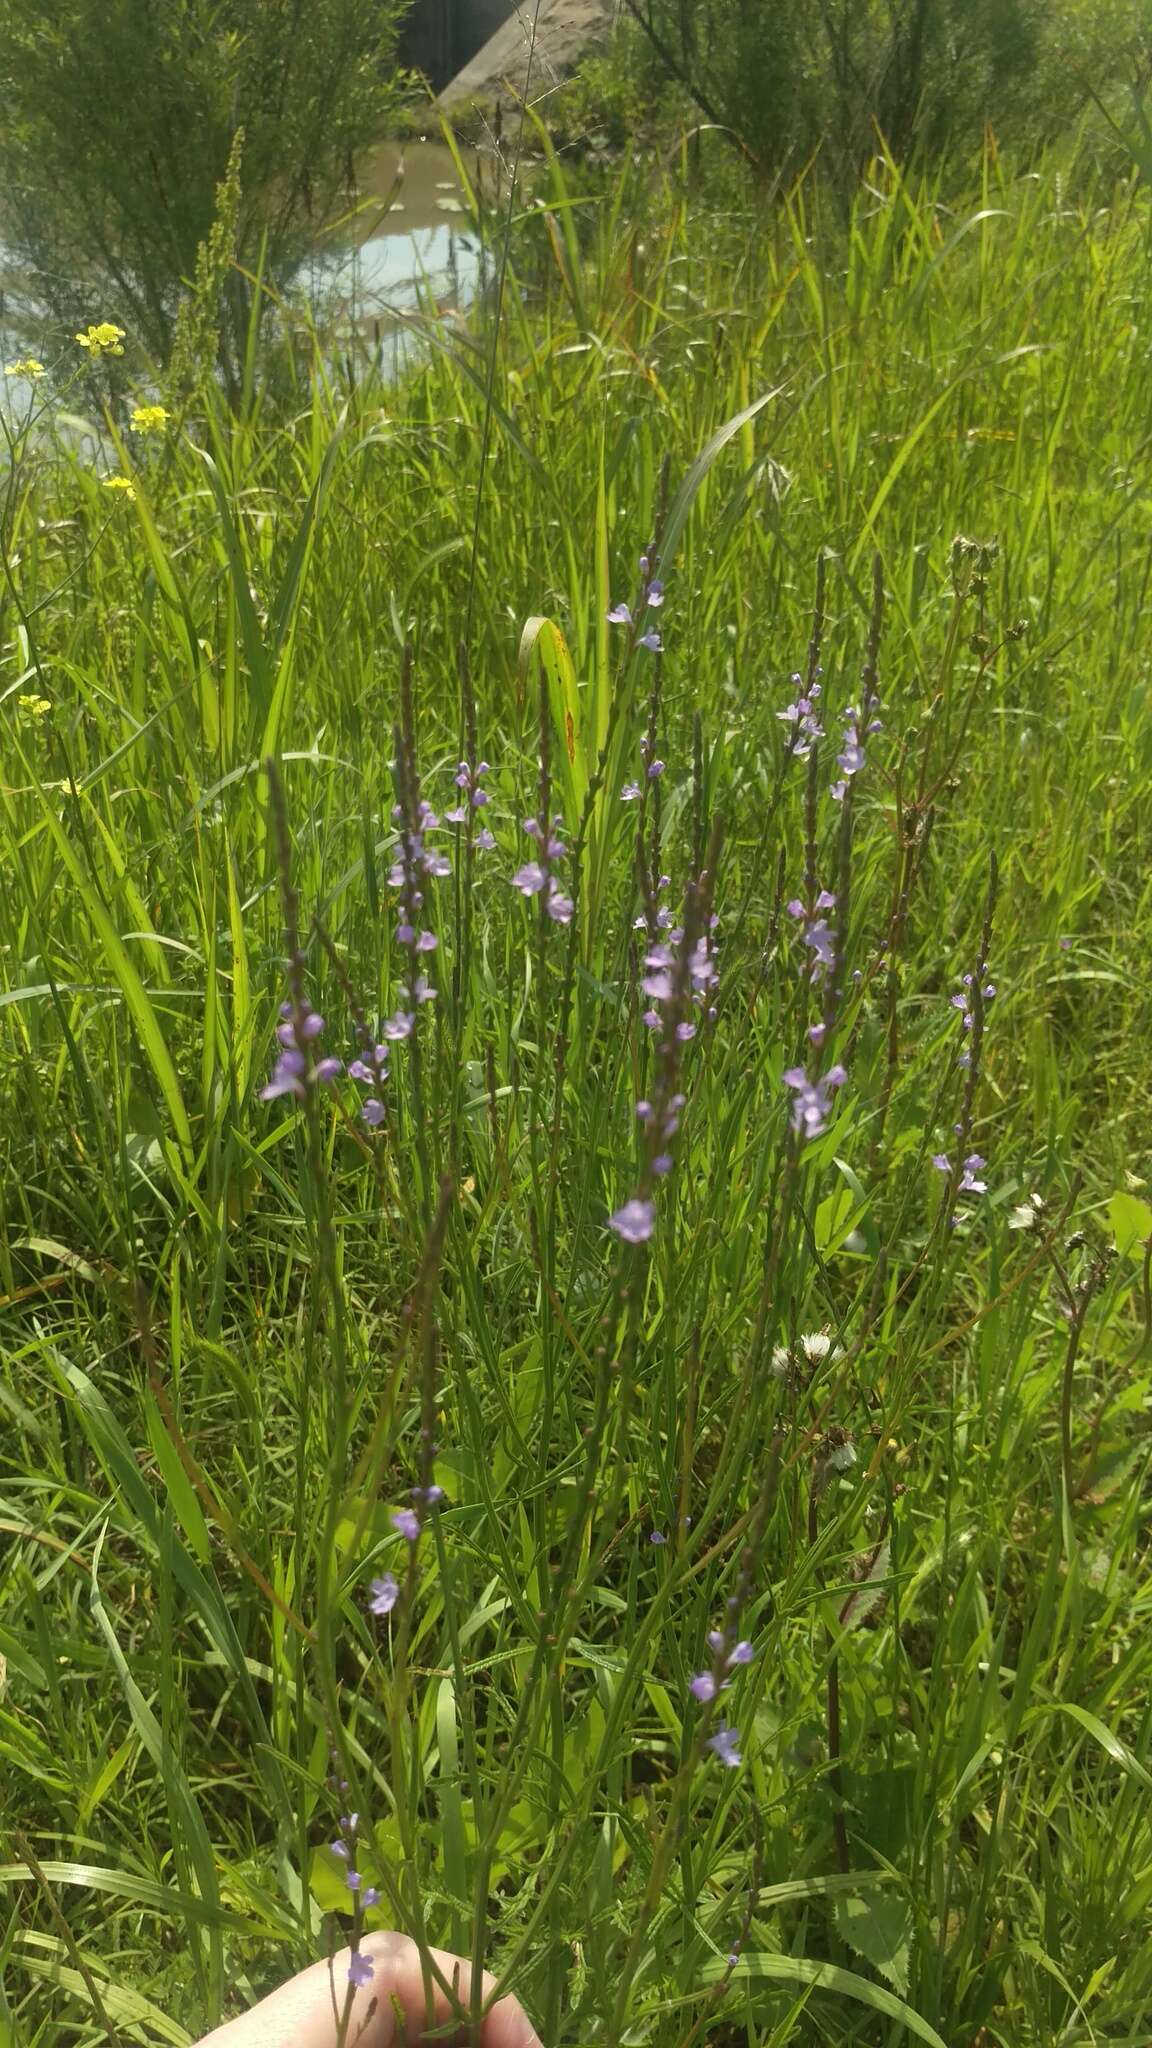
635, 1221
369, 1897
149, 419
104, 339
703, 1687
723, 1744
384, 1593
652, 641
294, 1073
484, 840
406, 1523
373, 1111
742, 1654
558, 906
804, 719
360, 1969
968, 1181
837, 1451
28, 366
428, 1494
398, 1026
812, 1105
121, 483
1027, 1215
35, 707
657, 1537
941, 1162
620, 615
529, 879
630, 793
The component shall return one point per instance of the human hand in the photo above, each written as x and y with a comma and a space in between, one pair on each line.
305, 2012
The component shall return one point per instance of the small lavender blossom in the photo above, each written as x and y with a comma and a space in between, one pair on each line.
742, 1654
360, 1969
484, 840
812, 1104
620, 615
655, 770
804, 719
968, 1182
635, 1221
723, 1744
373, 1111
558, 906
398, 1026
703, 1687
630, 793
383, 1594
294, 1073
369, 1897
428, 1494
941, 1162
406, 1522
530, 879
652, 641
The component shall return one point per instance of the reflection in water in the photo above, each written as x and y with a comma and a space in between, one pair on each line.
407, 245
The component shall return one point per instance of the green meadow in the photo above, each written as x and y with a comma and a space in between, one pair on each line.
752, 1488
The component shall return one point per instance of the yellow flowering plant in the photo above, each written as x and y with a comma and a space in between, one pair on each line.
121, 483
149, 419
27, 366
103, 339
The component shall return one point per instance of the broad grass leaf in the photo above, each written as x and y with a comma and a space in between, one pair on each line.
1131, 1221
827, 1977
878, 1928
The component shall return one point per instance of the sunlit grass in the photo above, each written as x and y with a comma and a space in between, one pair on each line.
206, 1296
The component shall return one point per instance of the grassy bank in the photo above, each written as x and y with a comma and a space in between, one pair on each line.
907, 462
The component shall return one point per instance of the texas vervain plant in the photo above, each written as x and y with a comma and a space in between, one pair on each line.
549, 1427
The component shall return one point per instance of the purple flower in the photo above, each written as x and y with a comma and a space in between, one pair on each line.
654, 595
484, 840
703, 1687
427, 942
352, 1880
529, 879
406, 1522
297, 1033
398, 1026
822, 940
635, 1221
941, 1162
373, 1111
723, 1744
811, 1107
652, 641
684, 1032
620, 615
428, 1494
369, 1897
558, 906
329, 1069
657, 1536
742, 1654
360, 1969
652, 1019
630, 793
968, 1182
383, 1595
817, 1033
655, 768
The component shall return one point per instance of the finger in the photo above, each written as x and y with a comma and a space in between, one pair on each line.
305, 2012
397, 1962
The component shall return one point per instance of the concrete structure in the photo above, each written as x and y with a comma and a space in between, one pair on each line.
472, 49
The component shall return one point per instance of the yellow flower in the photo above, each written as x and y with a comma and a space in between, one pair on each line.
149, 419
102, 340
34, 707
121, 483
26, 367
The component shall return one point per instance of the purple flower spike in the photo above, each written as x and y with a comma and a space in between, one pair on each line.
635, 1221
360, 1970
406, 1522
723, 1744
383, 1594
703, 1687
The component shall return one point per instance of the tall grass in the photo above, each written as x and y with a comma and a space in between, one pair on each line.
907, 462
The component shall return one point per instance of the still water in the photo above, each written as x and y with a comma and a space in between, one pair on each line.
409, 242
